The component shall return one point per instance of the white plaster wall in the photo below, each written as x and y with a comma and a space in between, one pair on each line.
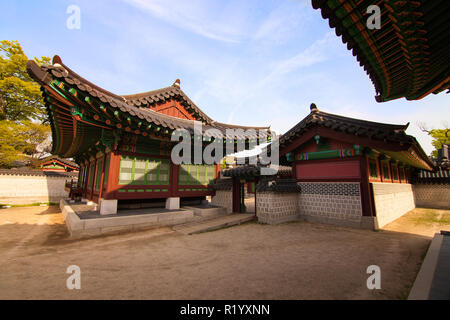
392, 200
31, 189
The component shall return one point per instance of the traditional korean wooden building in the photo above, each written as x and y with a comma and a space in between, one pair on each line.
408, 56
123, 143
349, 168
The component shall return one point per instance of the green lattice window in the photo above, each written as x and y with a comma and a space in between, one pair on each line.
373, 169
99, 174
195, 174
144, 171
139, 171
126, 170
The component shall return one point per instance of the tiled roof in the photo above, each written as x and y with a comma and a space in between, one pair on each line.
370, 131
278, 186
437, 176
254, 171
149, 98
39, 173
408, 55
134, 105
362, 128
224, 184
64, 161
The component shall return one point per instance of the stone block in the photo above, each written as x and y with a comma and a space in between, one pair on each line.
123, 228
173, 203
108, 207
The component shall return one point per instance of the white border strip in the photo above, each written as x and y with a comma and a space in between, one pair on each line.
422, 285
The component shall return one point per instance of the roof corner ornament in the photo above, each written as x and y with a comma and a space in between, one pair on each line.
177, 83
313, 107
56, 59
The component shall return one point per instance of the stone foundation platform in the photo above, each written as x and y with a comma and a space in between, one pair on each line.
84, 223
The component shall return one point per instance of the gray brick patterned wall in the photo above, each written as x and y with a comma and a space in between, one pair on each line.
335, 203
432, 195
331, 202
223, 198
342, 189
274, 208
392, 200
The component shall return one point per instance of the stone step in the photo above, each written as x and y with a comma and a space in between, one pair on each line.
214, 224
207, 211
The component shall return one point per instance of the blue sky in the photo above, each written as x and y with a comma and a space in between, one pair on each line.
251, 62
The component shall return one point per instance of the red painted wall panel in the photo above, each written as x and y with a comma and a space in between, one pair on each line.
174, 109
328, 170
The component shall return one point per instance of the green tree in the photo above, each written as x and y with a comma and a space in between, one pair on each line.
22, 110
19, 140
20, 96
440, 136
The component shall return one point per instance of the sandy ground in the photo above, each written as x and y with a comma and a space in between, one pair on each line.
252, 261
421, 221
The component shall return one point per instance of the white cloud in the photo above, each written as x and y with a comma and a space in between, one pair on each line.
191, 16
318, 52
283, 23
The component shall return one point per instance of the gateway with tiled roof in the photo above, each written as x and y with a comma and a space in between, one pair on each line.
55, 163
408, 56
123, 143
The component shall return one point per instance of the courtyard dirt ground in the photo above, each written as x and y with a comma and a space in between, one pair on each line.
252, 261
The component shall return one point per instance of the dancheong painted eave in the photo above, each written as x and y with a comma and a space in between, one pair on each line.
408, 56
390, 140
82, 114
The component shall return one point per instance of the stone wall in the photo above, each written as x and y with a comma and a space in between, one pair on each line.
432, 195
331, 202
22, 189
223, 198
392, 200
274, 208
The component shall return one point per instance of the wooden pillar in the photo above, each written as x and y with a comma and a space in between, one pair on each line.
294, 170
366, 190
80, 175
113, 175
93, 179
86, 180
102, 178
217, 171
